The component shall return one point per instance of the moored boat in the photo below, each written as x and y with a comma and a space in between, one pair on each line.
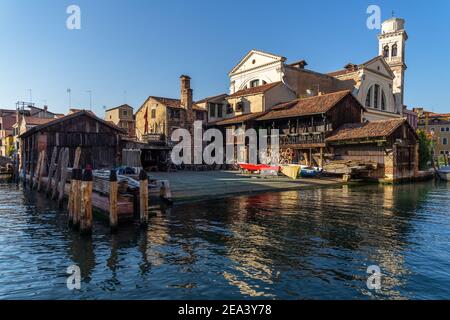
444, 173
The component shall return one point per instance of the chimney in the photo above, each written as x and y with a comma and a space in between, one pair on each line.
351, 67
299, 64
186, 92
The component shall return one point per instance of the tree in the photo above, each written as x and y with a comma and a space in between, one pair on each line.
10, 150
425, 148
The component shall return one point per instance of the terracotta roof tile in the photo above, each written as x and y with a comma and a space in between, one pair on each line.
305, 106
8, 122
254, 90
374, 129
37, 121
70, 116
217, 98
239, 119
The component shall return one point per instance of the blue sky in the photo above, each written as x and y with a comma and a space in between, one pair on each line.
142, 47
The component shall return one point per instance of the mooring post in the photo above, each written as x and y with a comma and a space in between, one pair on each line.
113, 189
51, 170
86, 202
57, 174
41, 170
62, 183
70, 205
143, 192
77, 198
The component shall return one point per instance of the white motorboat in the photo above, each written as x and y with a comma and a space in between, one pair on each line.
444, 173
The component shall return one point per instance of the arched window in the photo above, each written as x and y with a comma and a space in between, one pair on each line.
383, 100
386, 51
394, 50
369, 97
376, 98
254, 83
376, 95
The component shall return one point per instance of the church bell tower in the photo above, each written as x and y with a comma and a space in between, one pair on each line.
392, 42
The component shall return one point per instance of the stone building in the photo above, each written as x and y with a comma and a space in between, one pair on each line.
437, 125
7, 120
158, 117
377, 83
216, 106
123, 117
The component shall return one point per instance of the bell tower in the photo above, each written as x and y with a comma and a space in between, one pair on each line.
392, 41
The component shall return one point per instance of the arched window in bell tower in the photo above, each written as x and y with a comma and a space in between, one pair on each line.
394, 50
386, 51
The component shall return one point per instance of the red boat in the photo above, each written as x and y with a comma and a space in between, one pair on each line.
257, 167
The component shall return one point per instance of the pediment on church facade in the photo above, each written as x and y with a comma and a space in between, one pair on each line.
378, 65
255, 59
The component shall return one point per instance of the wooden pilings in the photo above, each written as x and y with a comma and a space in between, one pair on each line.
86, 202
62, 183
57, 174
50, 175
51, 170
41, 170
113, 191
76, 204
143, 197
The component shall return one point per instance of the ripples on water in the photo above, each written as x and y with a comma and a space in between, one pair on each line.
309, 244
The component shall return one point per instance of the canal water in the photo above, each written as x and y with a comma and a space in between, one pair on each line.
309, 244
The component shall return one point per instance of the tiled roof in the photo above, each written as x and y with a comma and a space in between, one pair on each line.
351, 68
217, 98
70, 116
122, 106
305, 106
8, 122
239, 119
174, 103
37, 121
254, 90
374, 129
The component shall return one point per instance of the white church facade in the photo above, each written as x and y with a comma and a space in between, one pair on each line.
378, 84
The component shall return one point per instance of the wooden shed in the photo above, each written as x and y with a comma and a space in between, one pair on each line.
99, 140
391, 144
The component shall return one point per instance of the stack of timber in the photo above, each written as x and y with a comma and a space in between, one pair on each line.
351, 167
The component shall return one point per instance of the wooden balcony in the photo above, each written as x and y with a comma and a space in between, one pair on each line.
307, 140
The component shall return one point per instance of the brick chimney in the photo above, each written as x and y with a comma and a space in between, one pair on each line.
186, 102
186, 92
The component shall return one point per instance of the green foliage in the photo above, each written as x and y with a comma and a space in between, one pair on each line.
425, 147
10, 150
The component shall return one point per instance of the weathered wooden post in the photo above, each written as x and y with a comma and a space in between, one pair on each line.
41, 170
57, 174
143, 199
113, 189
76, 161
32, 161
86, 202
36, 173
77, 173
70, 206
62, 183
51, 170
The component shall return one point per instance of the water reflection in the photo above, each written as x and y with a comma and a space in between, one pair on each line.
290, 245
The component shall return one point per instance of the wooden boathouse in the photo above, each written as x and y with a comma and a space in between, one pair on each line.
391, 145
99, 140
